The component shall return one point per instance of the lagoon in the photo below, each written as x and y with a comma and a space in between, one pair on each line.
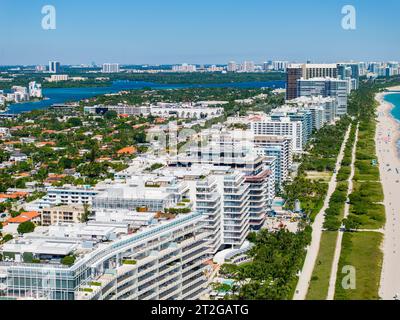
62, 95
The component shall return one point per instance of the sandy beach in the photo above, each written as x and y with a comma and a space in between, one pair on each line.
387, 135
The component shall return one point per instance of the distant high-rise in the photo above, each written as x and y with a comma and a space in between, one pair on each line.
40, 68
184, 68
307, 71
280, 65
35, 89
110, 68
293, 73
320, 70
267, 65
248, 66
346, 70
54, 67
326, 87
232, 66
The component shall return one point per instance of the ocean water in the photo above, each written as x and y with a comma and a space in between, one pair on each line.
394, 99
62, 95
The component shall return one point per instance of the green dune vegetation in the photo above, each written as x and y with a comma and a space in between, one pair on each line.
360, 250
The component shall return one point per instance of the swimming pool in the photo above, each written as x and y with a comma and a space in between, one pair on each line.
229, 282
278, 203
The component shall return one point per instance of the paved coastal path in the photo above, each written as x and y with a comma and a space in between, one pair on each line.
338, 249
317, 226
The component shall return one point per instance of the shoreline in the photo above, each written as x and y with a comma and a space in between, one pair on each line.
65, 94
388, 108
14, 104
386, 138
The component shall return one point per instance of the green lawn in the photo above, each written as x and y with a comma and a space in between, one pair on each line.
362, 251
319, 284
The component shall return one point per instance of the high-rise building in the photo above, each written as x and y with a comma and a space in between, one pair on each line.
265, 125
162, 261
293, 73
295, 114
110, 68
281, 149
232, 66
248, 66
35, 89
280, 65
326, 87
224, 150
40, 68
267, 65
351, 73
209, 203
54, 67
320, 71
306, 71
328, 104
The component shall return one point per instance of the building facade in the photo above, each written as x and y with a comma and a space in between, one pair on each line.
162, 262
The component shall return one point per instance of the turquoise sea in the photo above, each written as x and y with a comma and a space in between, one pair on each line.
395, 100
62, 95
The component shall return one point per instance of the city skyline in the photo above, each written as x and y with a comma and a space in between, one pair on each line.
160, 33
199, 151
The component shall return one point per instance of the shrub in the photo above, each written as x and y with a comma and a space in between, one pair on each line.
7, 237
68, 260
26, 227
129, 262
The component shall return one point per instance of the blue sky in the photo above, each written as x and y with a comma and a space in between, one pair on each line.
194, 31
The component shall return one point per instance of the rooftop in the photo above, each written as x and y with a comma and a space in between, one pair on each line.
24, 217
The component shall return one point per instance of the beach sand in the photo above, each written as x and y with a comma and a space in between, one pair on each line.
387, 136
396, 88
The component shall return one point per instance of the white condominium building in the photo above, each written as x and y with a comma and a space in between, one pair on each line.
248, 66
241, 158
54, 67
280, 148
69, 195
265, 125
140, 193
35, 89
160, 110
236, 217
186, 112
58, 77
232, 66
280, 65
209, 203
184, 68
110, 68
119, 109
329, 104
159, 262
326, 87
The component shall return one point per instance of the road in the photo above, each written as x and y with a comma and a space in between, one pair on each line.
338, 249
312, 250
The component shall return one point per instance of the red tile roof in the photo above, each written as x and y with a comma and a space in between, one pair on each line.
24, 217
